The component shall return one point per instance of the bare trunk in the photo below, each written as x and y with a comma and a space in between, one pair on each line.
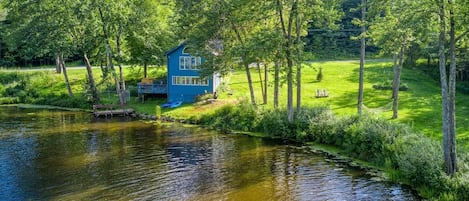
452, 95
121, 73
246, 65
58, 66
114, 75
289, 87
266, 80
261, 81
276, 83
298, 65
64, 70
94, 91
145, 70
289, 55
362, 60
444, 89
110, 55
251, 88
396, 83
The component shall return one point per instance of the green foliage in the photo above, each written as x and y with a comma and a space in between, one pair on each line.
408, 156
419, 160
275, 124
319, 77
370, 137
387, 85
242, 117
37, 88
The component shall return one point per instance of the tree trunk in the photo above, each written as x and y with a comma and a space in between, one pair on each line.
287, 33
251, 88
276, 83
298, 64
58, 65
289, 86
452, 96
444, 88
64, 70
145, 70
266, 80
261, 81
121, 73
246, 65
114, 74
94, 91
397, 82
110, 55
362, 59
289, 55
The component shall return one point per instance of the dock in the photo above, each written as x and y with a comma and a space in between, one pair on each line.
112, 110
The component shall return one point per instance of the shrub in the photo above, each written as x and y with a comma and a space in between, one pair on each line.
317, 122
275, 124
370, 138
242, 117
387, 85
319, 77
419, 160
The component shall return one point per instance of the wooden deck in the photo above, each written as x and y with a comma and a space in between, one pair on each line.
152, 88
112, 110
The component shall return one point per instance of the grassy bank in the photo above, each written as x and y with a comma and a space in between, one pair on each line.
406, 155
419, 107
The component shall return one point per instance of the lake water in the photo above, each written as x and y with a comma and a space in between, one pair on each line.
60, 155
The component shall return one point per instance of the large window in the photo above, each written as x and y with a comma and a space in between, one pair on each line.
189, 81
189, 63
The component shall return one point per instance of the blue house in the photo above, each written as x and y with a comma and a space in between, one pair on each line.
184, 81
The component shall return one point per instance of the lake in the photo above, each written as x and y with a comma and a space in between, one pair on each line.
62, 155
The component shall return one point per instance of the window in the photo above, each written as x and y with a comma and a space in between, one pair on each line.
189, 81
189, 63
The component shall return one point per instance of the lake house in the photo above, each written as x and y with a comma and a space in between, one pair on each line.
184, 81
183, 78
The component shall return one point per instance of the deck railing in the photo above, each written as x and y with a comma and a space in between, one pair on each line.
152, 88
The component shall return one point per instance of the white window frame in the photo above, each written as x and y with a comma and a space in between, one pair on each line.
189, 63
189, 81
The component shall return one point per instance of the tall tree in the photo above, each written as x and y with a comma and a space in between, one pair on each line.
362, 57
46, 25
394, 32
149, 33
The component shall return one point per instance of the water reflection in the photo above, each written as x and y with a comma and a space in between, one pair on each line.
55, 155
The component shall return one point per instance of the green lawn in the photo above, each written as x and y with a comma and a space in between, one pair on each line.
419, 107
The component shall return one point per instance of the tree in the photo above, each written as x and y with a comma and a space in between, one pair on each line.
150, 33
362, 58
394, 32
47, 33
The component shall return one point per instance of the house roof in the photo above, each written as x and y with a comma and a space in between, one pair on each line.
175, 48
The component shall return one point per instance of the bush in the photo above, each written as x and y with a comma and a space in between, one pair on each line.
387, 85
242, 117
275, 124
371, 139
419, 160
408, 156
319, 77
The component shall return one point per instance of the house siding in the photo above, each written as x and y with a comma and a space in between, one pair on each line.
185, 93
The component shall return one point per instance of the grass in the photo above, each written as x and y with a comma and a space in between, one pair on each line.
419, 107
